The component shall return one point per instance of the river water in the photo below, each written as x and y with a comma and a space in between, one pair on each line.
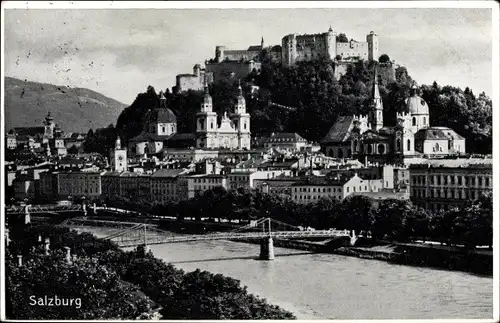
326, 286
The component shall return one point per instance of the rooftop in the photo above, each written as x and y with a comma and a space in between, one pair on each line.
339, 132
168, 173
454, 163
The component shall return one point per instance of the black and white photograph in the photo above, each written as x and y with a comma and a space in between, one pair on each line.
253, 160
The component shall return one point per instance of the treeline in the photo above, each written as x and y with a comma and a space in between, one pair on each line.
113, 284
391, 219
319, 99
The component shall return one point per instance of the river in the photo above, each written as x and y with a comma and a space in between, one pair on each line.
326, 286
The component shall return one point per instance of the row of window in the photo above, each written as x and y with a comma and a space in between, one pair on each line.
325, 189
451, 179
207, 180
446, 193
313, 197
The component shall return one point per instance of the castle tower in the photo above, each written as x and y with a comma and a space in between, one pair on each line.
219, 53
331, 44
373, 46
289, 49
241, 120
377, 108
206, 123
118, 157
196, 70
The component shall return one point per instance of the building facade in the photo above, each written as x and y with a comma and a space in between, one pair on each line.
78, 184
312, 189
442, 184
232, 133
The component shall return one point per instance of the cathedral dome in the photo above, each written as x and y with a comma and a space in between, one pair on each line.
415, 105
161, 115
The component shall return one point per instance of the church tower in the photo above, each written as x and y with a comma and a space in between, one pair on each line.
206, 123
262, 43
118, 157
377, 108
241, 120
49, 126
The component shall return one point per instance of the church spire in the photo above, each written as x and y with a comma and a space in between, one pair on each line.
375, 92
377, 120
206, 105
262, 42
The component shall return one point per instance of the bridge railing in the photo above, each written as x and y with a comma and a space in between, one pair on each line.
42, 208
232, 236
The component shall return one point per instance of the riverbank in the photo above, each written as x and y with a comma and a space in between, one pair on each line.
402, 254
456, 259
315, 285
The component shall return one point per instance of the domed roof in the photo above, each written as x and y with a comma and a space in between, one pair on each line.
416, 105
161, 115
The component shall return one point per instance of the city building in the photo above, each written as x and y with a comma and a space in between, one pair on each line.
24, 187
199, 183
160, 125
160, 138
313, 188
11, 142
285, 141
233, 132
49, 136
78, 184
280, 185
166, 186
366, 136
241, 179
118, 157
441, 184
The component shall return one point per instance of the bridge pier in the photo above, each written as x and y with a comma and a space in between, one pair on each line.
353, 237
27, 218
267, 249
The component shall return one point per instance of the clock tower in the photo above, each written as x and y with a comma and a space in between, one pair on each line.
118, 157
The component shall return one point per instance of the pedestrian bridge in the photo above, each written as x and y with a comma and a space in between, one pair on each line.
264, 229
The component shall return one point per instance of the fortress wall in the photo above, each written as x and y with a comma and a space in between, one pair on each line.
352, 49
189, 82
223, 71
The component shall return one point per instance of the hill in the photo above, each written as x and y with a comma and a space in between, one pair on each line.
74, 109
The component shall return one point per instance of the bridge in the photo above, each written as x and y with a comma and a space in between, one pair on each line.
27, 210
264, 229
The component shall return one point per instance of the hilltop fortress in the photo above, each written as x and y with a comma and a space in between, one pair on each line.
238, 63
308, 47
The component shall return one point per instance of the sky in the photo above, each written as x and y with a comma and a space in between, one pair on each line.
119, 52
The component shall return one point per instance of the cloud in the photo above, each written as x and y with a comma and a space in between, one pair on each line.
120, 52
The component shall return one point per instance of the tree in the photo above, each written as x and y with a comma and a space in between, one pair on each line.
389, 217
97, 293
73, 150
342, 38
384, 58
203, 295
358, 212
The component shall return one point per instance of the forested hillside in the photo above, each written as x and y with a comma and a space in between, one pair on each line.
317, 99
